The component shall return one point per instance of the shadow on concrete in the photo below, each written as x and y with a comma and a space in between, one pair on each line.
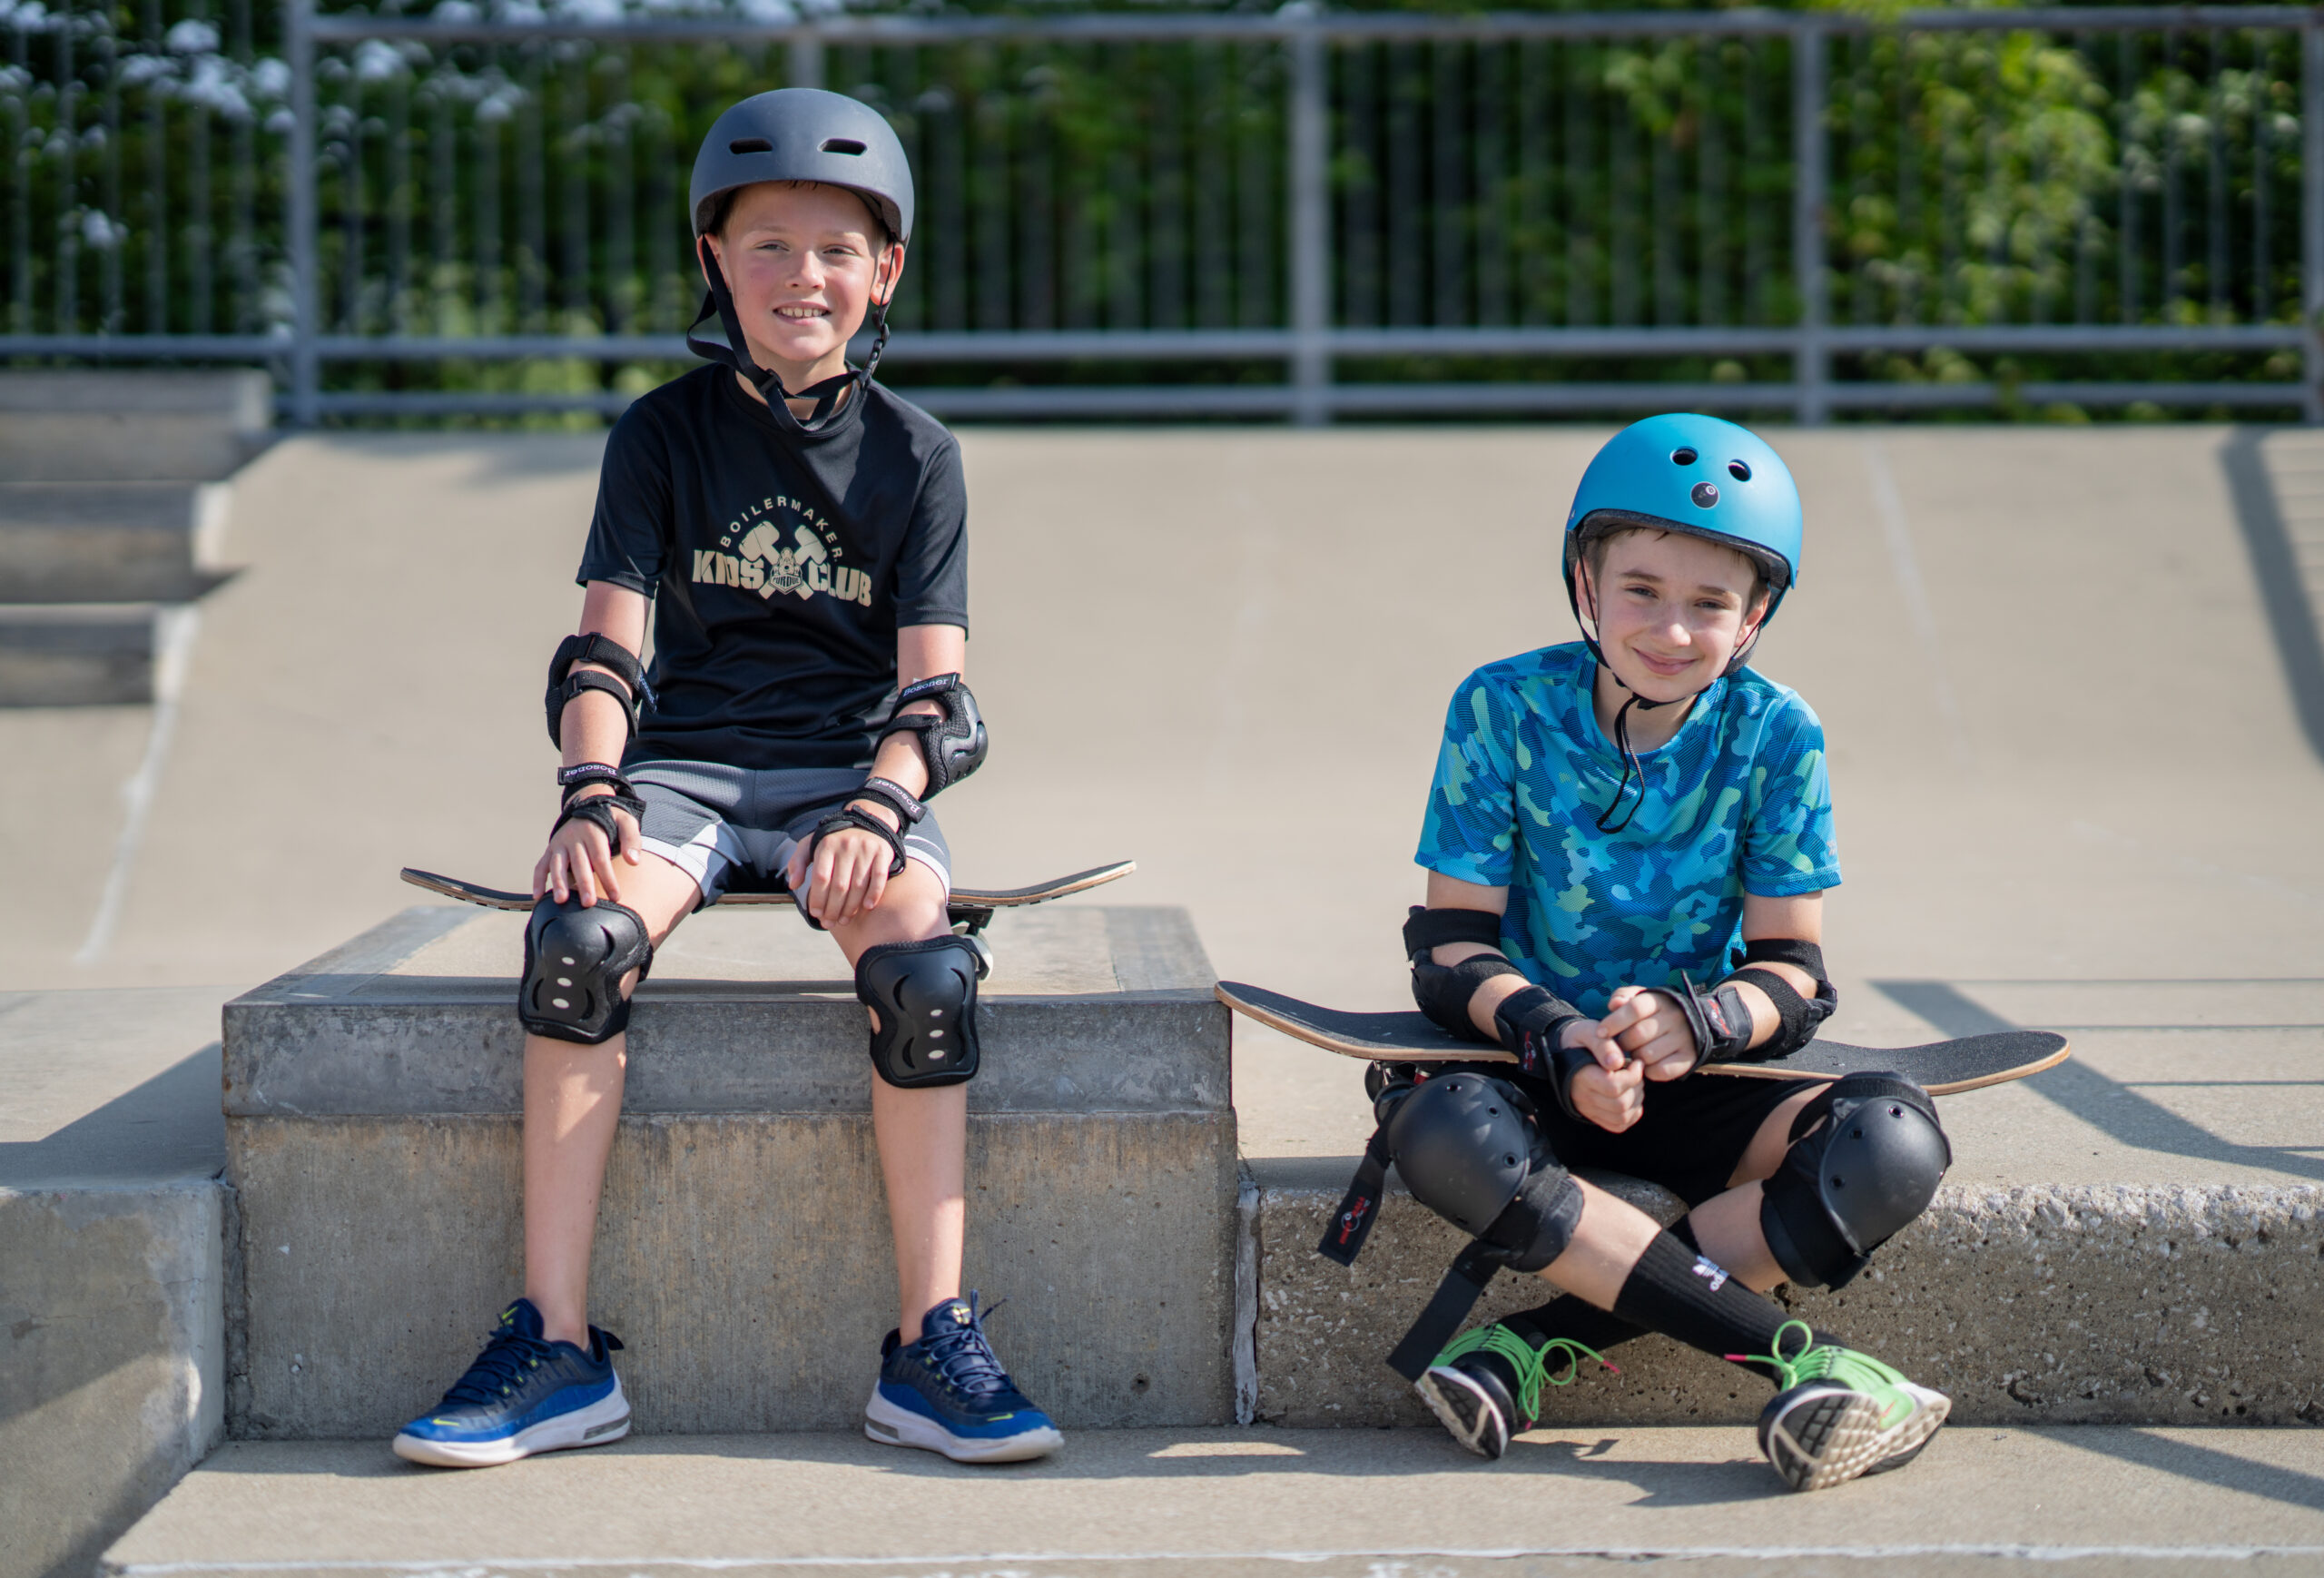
171, 1126
2186, 1460
2283, 590
2125, 1115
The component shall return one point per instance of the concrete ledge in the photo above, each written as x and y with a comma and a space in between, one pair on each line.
145, 426
2085, 1305
114, 1239
77, 654
372, 1101
108, 542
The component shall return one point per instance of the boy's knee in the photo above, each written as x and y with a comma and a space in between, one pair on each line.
923, 999
1853, 1184
581, 964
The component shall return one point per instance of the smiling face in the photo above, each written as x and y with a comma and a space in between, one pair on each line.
804, 263
1671, 609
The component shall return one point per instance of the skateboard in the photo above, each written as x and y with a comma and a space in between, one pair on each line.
970, 907
1941, 1068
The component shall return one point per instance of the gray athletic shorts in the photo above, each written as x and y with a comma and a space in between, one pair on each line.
709, 820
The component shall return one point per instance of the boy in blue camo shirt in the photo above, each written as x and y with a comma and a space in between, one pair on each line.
1627, 844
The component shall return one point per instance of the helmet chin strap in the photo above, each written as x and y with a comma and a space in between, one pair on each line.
735, 354
1632, 766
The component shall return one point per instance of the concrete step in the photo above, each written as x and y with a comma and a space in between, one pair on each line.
113, 1245
371, 1107
117, 425
86, 654
2073, 1503
110, 542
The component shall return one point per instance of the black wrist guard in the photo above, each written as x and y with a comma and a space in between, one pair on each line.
848, 816
1799, 1017
598, 811
1531, 1021
564, 684
582, 773
1719, 1019
895, 797
952, 743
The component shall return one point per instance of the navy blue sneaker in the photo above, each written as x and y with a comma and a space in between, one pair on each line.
948, 1393
522, 1395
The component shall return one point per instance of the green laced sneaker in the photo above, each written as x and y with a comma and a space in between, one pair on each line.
1486, 1386
1841, 1415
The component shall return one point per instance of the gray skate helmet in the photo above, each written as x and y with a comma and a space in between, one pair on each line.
805, 134
796, 134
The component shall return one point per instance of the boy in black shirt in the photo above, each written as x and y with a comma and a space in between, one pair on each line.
799, 535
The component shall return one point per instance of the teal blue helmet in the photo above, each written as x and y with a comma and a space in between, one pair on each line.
1699, 474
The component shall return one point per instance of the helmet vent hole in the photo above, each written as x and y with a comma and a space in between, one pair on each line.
842, 145
1682, 457
750, 146
1739, 471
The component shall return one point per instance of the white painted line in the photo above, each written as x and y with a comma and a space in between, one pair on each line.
485, 1564
173, 632
1897, 531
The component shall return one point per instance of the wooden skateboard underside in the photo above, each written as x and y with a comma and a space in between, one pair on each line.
1941, 1068
967, 903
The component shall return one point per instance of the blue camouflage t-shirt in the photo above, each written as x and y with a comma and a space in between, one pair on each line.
1736, 801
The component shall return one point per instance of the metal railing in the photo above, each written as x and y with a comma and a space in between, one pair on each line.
1302, 214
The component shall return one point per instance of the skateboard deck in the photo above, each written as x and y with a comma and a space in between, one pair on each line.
1941, 1068
972, 905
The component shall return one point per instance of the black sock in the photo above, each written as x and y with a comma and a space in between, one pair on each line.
1579, 1320
1685, 1297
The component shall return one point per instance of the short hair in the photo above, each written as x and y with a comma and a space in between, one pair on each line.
723, 208
1597, 538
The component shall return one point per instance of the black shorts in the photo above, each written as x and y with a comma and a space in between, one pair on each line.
1689, 1140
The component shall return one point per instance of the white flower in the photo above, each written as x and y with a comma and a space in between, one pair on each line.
377, 61
191, 37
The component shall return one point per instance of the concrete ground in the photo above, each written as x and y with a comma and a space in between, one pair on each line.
2062, 674
1328, 1504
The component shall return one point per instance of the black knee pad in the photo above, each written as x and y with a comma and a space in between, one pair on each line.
1467, 1147
1846, 1189
575, 958
925, 994
1536, 1227
1462, 1145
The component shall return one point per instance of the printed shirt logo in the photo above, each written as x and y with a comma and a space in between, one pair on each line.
804, 565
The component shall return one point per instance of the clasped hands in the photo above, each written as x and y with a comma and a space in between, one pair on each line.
1644, 1036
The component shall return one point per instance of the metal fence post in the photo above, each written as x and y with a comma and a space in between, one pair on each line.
1808, 153
1311, 280
2312, 219
806, 62
299, 45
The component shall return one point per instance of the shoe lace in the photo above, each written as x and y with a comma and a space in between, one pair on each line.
1808, 1363
1532, 1363
963, 1356
504, 1362
1817, 1361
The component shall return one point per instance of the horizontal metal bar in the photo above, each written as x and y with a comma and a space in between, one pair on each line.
1933, 396
502, 348
149, 347
1072, 400
1385, 398
1126, 28
426, 404
1677, 342
2070, 337
1258, 344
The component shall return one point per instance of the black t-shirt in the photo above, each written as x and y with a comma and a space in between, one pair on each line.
779, 566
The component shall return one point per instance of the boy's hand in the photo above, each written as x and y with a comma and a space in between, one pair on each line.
578, 860
1652, 1031
1611, 1091
849, 871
